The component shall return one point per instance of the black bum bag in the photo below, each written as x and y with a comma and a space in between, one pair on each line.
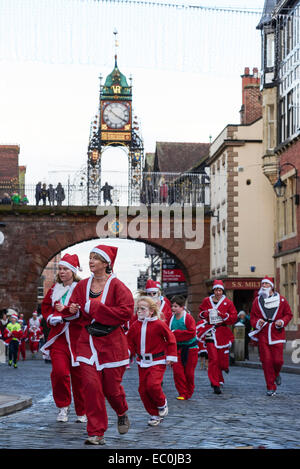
99, 330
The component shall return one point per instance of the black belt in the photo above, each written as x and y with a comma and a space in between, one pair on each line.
154, 355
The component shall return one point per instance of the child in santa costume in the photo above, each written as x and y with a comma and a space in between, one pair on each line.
105, 306
270, 314
154, 346
34, 320
62, 339
35, 334
153, 289
24, 338
183, 325
12, 336
218, 313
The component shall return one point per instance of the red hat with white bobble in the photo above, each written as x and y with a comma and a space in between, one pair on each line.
152, 286
109, 253
218, 284
71, 261
269, 280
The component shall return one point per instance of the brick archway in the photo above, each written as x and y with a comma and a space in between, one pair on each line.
34, 235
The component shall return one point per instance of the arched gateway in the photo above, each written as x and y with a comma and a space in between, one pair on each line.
34, 235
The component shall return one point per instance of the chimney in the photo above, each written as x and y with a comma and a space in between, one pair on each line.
251, 109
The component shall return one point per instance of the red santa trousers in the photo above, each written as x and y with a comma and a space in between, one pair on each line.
150, 388
184, 376
218, 360
64, 375
271, 357
98, 385
34, 346
22, 350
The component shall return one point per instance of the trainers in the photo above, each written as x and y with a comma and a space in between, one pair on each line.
123, 424
180, 398
163, 411
217, 390
81, 418
271, 392
95, 440
15, 365
278, 380
63, 414
154, 420
9, 362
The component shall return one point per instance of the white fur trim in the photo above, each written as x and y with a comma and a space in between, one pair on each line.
266, 280
102, 254
69, 266
218, 286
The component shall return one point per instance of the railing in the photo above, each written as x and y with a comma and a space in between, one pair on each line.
156, 188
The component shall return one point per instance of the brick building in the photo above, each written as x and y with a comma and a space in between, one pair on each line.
12, 176
242, 201
280, 87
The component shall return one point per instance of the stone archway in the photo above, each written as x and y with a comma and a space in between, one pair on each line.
34, 235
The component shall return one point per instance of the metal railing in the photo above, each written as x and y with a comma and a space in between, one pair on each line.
156, 188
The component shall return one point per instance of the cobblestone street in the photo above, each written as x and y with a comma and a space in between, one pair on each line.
243, 416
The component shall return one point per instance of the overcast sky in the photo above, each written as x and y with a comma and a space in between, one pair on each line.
186, 70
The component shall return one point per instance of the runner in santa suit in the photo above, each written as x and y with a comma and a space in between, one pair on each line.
154, 346
105, 305
35, 334
153, 289
218, 312
270, 314
183, 325
61, 341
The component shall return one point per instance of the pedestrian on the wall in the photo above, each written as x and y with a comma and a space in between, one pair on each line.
183, 325
60, 347
59, 194
44, 193
51, 194
270, 314
219, 312
38, 189
106, 305
106, 189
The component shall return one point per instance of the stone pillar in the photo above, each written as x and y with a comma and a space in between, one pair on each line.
239, 341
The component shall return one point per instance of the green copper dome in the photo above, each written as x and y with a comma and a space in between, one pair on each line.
116, 83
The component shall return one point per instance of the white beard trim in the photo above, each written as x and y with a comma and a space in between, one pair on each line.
58, 292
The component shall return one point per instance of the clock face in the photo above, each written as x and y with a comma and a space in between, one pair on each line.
116, 115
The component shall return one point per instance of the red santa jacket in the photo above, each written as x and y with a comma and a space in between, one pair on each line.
114, 308
269, 333
69, 328
152, 342
165, 309
221, 335
35, 334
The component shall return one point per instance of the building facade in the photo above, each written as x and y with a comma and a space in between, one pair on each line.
242, 202
280, 87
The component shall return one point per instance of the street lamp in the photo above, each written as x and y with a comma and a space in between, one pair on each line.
280, 185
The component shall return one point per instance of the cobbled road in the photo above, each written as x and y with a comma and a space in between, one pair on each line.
243, 416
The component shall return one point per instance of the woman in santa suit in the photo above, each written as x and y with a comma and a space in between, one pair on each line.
105, 306
63, 335
270, 314
154, 346
218, 313
153, 289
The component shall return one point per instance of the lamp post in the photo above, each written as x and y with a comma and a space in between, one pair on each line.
280, 185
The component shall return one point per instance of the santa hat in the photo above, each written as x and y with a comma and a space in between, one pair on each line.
269, 280
109, 253
70, 261
152, 286
34, 312
218, 284
14, 316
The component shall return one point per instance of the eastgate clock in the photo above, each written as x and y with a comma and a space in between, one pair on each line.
116, 115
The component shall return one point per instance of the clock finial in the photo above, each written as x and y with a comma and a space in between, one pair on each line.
116, 45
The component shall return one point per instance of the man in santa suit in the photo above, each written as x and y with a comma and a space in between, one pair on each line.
34, 320
153, 289
105, 306
218, 312
270, 314
62, 339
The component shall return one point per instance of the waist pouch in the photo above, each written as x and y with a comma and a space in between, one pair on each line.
99, 330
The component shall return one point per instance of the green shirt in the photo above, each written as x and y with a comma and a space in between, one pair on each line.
179, 324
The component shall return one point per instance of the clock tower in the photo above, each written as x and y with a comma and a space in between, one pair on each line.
115, 126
